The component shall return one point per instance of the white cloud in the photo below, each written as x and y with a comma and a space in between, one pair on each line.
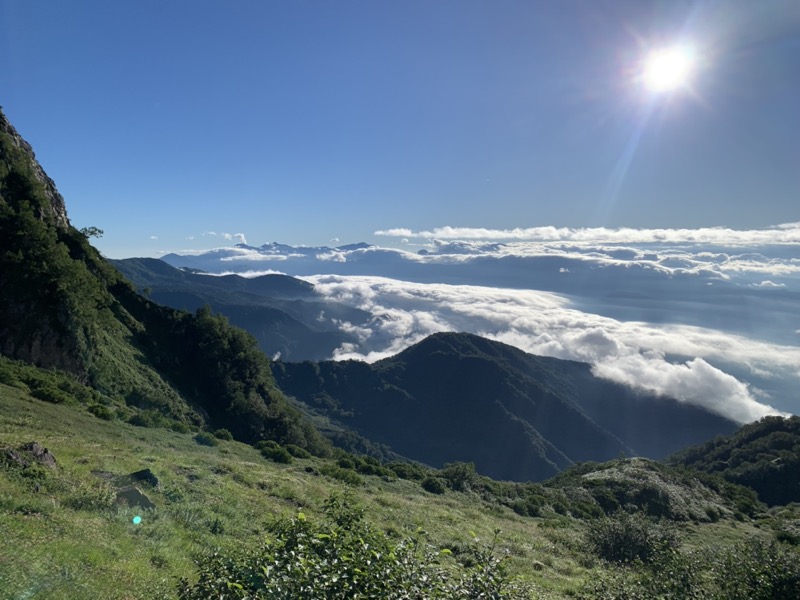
235, 236
153, 237
788, 233
332, 256
633, 353
768, 284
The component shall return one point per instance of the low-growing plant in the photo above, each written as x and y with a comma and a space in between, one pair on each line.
297, 451
405, 470
625, 537
434, 485
206, 439
753, 570
278, 454
345, 558
347, 476
759, 570
223, 434
101, 412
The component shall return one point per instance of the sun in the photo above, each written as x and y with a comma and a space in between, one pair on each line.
668, 69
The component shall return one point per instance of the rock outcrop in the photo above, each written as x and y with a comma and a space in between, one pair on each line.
57, 210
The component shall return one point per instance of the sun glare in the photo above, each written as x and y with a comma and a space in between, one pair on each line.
668, 69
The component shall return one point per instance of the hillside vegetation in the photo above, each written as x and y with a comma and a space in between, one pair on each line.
285, 315
221, 508
764, 456
64, 306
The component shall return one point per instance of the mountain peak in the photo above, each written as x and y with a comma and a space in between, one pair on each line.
26, 174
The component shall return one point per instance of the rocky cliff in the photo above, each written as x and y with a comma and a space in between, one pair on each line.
54, 209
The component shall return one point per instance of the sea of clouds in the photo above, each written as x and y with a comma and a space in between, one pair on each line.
708, 316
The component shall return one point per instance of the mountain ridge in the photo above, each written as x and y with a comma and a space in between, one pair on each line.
460, 397
286, 316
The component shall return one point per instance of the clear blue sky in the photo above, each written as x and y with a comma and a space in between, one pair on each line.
304, 121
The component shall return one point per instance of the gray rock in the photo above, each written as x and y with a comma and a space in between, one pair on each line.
40, 454
133, 496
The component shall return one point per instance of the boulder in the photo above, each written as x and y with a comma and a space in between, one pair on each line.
133, 496
40, 454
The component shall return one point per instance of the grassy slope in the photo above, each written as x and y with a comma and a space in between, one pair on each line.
67, 541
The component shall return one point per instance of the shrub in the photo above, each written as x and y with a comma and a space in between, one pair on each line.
52, 394
345, 558
753, 570
758, 570
344, 475
149, 418
297, 451
180, 427
459, 476
407, 470
266, 445
102, 412
346, 462
205, 439
434, 485
277, 454
627, 537
223, 434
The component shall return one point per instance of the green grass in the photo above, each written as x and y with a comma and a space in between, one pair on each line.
67, 541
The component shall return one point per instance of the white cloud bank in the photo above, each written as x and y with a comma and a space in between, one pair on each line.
638, 354
787, 233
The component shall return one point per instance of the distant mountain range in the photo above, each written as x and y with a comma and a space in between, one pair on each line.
460, 397
287, 317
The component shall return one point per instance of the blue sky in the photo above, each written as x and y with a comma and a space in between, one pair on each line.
308, 121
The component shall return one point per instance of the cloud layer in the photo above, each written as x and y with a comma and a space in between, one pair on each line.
677, 361
788, 233
710, 315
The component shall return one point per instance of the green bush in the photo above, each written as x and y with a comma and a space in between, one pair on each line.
346, 462
277, 454
434, 485
753, 570
266, 445
297, 451
347, 476
223, 434
459, 476
625, 537
345, 558
52, 394
180, 427
758, 570
205, 439
149, 418
405, 470
102, 412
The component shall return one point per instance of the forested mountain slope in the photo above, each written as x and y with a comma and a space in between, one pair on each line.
64, 306
285, 314
764, 456
460, 397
